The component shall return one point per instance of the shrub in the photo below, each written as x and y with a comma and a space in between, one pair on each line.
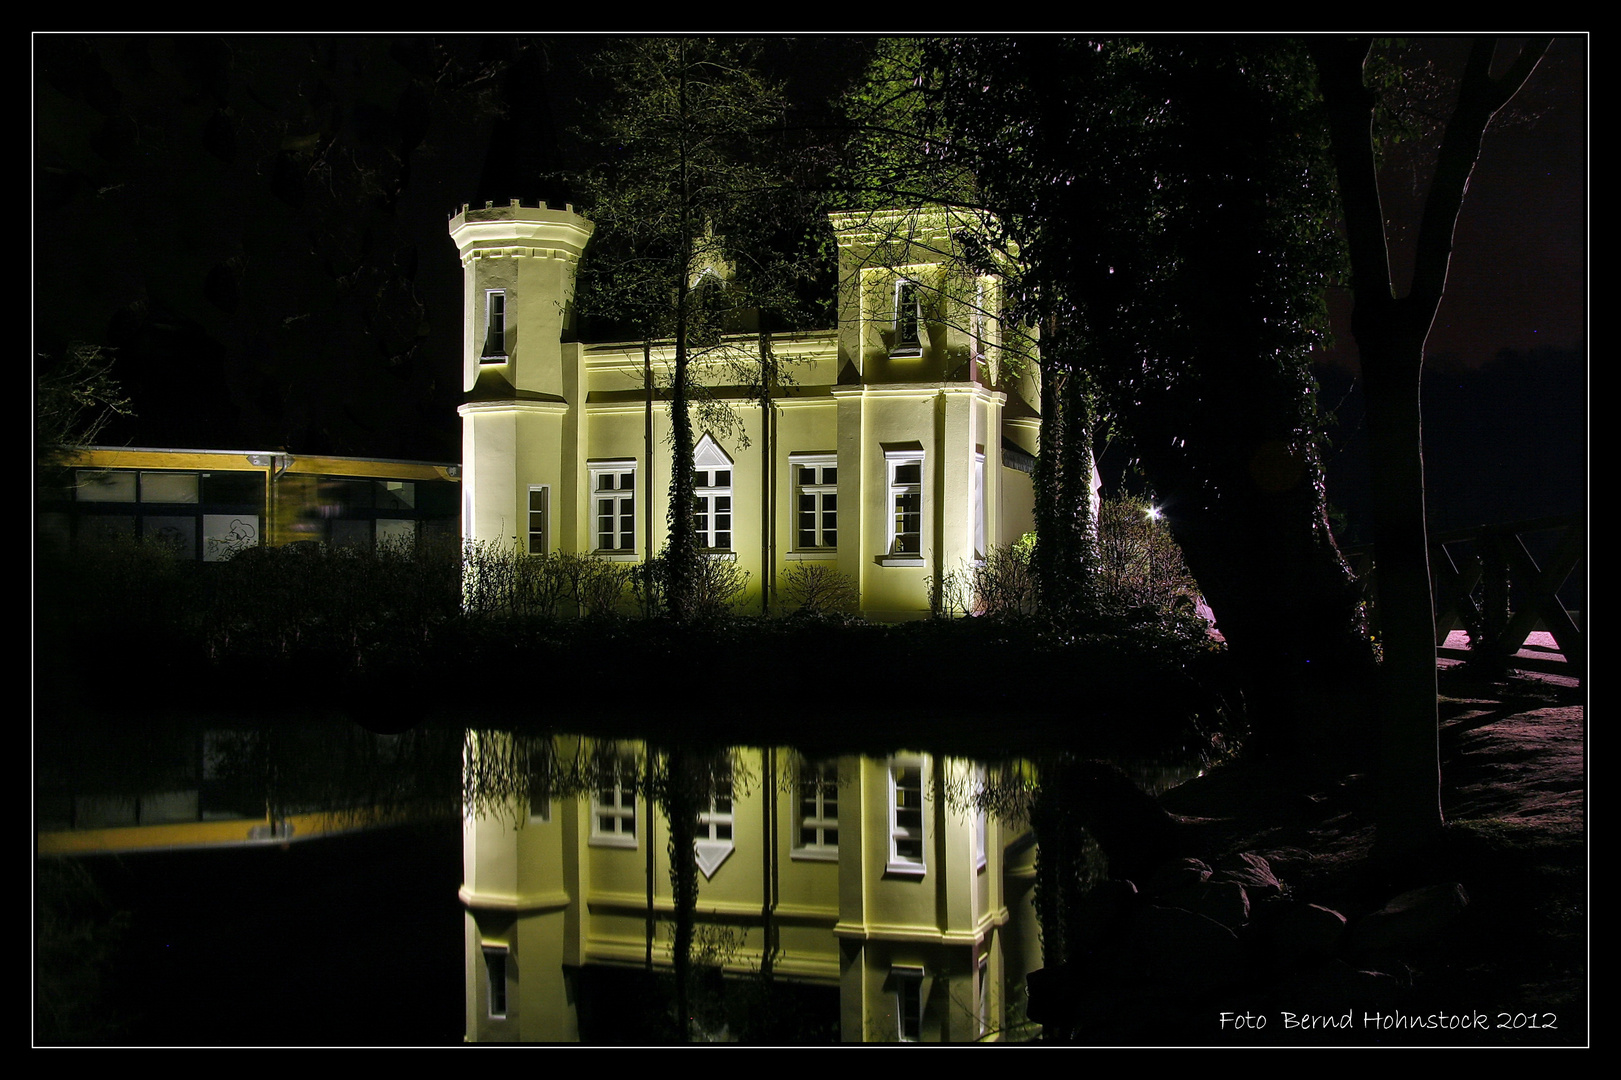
1139, 563
817, 588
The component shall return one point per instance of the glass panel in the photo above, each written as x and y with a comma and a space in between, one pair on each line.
168, 487
233, 487
105, 486
179, 533
351, 534
226, 534
396, 495
910, 472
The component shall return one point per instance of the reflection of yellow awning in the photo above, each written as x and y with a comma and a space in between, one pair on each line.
240, 832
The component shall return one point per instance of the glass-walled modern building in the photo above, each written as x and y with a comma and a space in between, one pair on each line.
209, 504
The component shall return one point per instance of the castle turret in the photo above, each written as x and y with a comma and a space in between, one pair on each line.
522, 382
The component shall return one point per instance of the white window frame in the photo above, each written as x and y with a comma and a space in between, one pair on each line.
623, 813
977, 507
817, 780
908, 840
908, 302
494, 348
909, 1002
620, 496
496, 989
713, 472
539, 520
895, 461
819, 491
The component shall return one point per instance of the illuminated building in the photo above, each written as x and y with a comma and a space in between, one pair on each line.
898, 448
855, 874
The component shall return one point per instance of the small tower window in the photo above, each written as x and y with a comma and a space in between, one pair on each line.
495, 323
908, 320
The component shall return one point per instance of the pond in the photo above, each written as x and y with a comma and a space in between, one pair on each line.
312, 883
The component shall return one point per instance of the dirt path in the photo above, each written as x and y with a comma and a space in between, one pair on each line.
1514, 794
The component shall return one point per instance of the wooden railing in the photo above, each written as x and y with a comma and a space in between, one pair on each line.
1485, 581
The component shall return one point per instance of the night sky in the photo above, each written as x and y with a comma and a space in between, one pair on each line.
257, 226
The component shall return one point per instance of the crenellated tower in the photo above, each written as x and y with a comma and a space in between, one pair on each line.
521, 380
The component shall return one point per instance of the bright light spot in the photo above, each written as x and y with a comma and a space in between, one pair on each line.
1153, 513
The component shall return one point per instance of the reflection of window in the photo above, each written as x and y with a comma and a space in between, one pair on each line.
539, 519
818, 836
540, 794
983, 997
816, 525
714, 840
906, 816
613, 806
906, 502
908, 984
495, 323
495, 969
908, 320
613, 495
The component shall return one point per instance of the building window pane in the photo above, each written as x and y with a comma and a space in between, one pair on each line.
908, 320
539, 520
816, 522
495, 323
105, 486
168, 487
906, 503
614, 488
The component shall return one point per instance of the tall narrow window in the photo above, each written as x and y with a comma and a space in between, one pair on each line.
906, 851
539, 519
908, 320
712, 511
495, 324
818, 836
906, 504
495, 970
816, 482
613, 495
712, 495
613, 803
908, 983
978, 508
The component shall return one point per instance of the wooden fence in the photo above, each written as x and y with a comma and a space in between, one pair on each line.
1486, 582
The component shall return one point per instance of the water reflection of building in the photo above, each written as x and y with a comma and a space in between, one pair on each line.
855, 874
897, 448
209, 504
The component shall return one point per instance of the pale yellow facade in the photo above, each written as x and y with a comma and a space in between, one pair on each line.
899, 451
909, 918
